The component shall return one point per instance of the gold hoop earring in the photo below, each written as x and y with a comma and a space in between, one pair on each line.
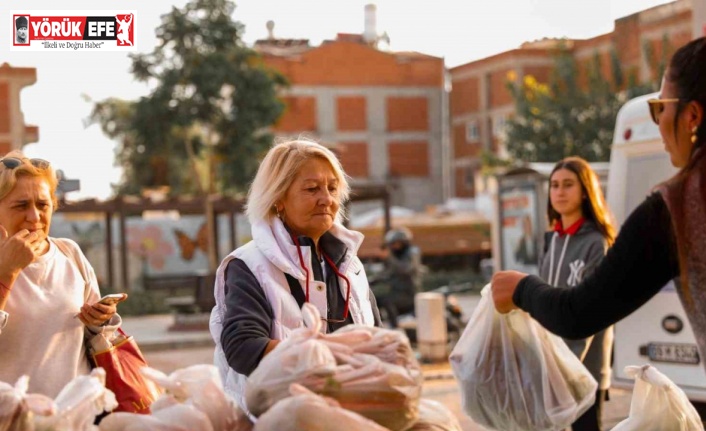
694, 136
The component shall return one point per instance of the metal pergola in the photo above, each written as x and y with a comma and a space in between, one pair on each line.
128, 206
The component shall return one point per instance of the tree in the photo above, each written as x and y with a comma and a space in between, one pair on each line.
560, 119
202, 128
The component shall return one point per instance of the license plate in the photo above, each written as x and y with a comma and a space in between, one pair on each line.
671, 352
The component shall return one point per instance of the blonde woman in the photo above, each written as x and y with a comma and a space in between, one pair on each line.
300, 253
47, 309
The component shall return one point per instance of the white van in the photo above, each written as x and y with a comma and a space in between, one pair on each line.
658, 333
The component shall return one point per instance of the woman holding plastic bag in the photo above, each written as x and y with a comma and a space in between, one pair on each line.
661, 239
47, 309
300, 253
581, 232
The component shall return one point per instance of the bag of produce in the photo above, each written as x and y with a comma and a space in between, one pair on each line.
434, 416
306, 411
515, 375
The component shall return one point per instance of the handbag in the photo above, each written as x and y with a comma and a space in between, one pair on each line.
122, 363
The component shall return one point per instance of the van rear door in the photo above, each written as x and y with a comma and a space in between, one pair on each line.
658, 333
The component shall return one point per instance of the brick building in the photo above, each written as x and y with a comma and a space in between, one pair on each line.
14, 133
480, 103
384, 113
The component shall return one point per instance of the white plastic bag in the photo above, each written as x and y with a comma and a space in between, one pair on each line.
434, 416
78, 404
388, 345
197, 385
306, 411
301, 358
176, 417
386, 393
515, 375
658, 404
18, 408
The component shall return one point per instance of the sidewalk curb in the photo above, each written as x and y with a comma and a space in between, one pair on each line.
156, 346
439, 375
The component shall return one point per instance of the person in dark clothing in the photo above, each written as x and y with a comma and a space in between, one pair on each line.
581, 232
402, 275
663, 238
300, 253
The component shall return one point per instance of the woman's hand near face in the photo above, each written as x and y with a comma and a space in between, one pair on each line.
18, 251
503, 286
96, 314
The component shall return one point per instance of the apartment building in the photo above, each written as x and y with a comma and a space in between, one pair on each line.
382, 112
480, 103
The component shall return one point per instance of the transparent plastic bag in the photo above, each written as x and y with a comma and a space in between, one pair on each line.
388, 345
434, 416
176, 417
306, 411
658, 404
18, 408
515, 375
78, 404
197, 385
386, 393
301, 358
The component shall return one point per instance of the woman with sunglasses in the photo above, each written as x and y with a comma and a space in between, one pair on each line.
663, 238
47, 307
300, 253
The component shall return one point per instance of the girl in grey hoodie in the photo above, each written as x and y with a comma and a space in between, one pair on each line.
580, 234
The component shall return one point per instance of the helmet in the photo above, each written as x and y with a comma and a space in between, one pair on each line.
400, 234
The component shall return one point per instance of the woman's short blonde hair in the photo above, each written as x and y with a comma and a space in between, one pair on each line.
9, 176
277, 172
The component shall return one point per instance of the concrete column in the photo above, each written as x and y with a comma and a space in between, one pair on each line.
432, 337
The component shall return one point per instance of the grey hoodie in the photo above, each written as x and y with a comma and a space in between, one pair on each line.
567, 260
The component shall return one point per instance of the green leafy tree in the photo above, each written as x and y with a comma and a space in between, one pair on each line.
203, 126
560, 118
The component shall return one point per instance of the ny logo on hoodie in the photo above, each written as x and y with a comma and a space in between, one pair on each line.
576, 275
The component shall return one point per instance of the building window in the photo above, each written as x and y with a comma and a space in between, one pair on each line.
472, 134
499, 123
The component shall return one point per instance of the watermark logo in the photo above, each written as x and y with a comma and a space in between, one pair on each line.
73, 30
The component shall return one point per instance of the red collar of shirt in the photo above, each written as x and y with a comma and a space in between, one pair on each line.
571, 230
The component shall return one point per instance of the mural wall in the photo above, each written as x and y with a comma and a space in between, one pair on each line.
156, 246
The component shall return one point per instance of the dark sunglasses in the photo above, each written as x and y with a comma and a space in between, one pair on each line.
13, 162
657, 107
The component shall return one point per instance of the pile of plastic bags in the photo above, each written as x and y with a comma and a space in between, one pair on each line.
371, 372
74, 409
358, 378
193, 399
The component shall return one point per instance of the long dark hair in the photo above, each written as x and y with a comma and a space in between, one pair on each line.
686, 72
593, 207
